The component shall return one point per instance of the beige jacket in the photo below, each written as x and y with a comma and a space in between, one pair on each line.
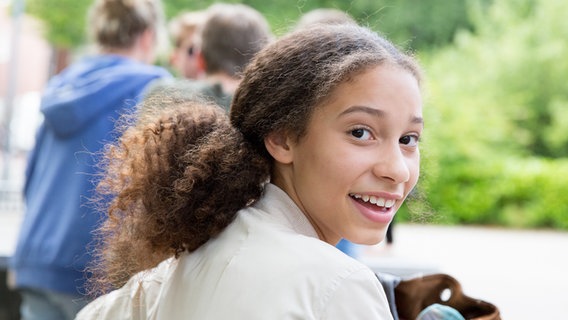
268, 264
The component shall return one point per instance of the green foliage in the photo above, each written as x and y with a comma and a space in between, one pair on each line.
63, 20
512, 192
417, 25
522, 48
497, 102
534, 194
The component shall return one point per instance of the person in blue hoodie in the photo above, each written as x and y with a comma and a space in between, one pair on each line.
80, 106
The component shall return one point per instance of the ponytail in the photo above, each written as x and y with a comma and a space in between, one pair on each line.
174, 179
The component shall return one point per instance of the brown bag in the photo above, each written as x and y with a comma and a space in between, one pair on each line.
415, 294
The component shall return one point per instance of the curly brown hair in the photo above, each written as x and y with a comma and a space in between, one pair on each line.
179, 173
175, 178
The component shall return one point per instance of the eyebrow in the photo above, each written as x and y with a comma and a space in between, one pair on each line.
375, 112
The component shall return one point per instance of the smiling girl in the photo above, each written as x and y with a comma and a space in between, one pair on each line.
237, 218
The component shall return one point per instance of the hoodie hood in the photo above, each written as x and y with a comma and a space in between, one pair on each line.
93, 86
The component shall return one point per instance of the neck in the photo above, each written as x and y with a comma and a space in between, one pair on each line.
133, 53
142, 50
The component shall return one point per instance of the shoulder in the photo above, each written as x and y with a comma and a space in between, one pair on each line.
348, 288
313, 265
186, 89
183, 89
331, 267
144, 71
338, 286
117, 66
354, 294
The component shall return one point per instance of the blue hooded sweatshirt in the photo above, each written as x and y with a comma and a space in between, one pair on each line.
80, 107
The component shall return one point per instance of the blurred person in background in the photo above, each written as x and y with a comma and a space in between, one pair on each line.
184, 32
324, 15
231, 35
80, 106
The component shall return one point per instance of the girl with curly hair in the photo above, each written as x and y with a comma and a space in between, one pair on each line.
236, 217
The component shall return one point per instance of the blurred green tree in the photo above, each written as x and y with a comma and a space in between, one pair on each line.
63, 24
498, 101
63, 20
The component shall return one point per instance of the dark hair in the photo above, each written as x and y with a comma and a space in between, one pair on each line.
179, 174
325, 16
232, 34
118, 23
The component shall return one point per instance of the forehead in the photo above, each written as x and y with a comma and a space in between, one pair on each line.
376, 80
391, 91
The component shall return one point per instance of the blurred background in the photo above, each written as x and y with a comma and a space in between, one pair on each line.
496, 96
495, 149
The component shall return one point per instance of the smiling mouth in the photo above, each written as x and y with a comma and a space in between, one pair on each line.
379, 202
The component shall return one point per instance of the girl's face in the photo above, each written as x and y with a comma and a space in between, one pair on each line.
359, 158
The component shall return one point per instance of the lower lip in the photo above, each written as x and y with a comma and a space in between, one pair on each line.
377, 216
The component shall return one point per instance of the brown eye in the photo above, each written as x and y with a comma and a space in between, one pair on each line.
410, 140
358, 133
362, 134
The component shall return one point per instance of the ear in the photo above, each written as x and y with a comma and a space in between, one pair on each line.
278, 145
148, 39
145, 47
201, 64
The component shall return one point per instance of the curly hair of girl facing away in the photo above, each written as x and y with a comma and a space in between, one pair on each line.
243, 211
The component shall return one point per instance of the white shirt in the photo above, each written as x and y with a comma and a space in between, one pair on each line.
267, 264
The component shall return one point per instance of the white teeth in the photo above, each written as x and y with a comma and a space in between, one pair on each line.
380, 202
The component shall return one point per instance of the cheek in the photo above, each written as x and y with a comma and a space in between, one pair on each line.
192, 61
337, 164
323, 171
316, 164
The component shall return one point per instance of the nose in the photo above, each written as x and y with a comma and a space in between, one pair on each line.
392, 165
